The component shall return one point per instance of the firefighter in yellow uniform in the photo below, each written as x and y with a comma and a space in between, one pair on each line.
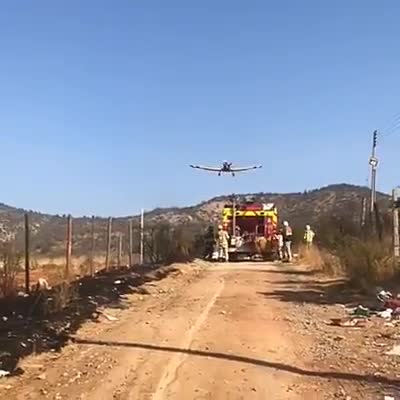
309, 235
223, 243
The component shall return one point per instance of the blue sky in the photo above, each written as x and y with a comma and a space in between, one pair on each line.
104, 104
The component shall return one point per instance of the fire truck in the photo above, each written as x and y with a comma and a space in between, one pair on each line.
253, 229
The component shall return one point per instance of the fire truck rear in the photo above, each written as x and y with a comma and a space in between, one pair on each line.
253, 229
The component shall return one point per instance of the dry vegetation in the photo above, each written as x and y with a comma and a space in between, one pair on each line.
48, 231
175, 234
166, 243
363, 255
10, 266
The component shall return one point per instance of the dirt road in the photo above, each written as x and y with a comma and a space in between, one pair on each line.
218, 332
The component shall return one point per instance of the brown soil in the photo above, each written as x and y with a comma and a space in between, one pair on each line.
222, 331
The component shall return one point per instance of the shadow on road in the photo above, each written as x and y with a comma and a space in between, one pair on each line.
317, 292
29, 324
291, 272
371, 379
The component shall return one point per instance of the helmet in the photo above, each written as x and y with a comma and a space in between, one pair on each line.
285, 223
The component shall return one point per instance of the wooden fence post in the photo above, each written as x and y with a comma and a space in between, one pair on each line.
396, 228
108, 250
142, 237
68, 247
119, 249
27, 255
396, 235
363, 212
378, 222
92, 248
130, 242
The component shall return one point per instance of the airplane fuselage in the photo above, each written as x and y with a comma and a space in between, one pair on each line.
226, 167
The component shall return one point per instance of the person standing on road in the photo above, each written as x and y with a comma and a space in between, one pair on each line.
279, 238
209, 243
223, 243
309, 235
287, 241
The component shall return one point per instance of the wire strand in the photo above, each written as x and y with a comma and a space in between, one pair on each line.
393, 130
392, 121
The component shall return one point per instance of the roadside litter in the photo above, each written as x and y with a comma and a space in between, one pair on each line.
387, 314
107, 316
395, 351
361, 311
386, 307
348, 322
4, 373
383, 295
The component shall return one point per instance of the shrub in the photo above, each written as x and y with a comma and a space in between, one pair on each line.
63, 294
165, 243
367, 261
364, 255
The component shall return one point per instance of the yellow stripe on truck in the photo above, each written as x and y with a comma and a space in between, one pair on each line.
271, 214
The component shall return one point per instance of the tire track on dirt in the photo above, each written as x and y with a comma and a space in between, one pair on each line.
169, 374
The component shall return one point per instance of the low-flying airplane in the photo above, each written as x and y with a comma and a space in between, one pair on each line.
227, 167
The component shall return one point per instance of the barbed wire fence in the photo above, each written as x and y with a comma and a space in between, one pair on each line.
63, 253
64, 249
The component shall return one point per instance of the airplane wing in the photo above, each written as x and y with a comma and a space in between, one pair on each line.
206, 168
242, 169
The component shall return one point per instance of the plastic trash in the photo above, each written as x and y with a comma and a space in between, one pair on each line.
109, 317
348, 322
4, 373
362, 311
387, 314
384, 295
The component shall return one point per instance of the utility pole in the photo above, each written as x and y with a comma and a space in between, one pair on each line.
396, 231
142, 237
373, 162
108, 250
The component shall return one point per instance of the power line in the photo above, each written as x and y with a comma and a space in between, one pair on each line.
393, 130
393, 121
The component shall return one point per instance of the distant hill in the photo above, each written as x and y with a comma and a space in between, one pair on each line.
48, 231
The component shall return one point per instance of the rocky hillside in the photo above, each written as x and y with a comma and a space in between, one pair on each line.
48, 231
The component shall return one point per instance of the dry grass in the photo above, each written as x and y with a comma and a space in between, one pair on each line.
10, 262
63, 295
368, 261
320, 260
